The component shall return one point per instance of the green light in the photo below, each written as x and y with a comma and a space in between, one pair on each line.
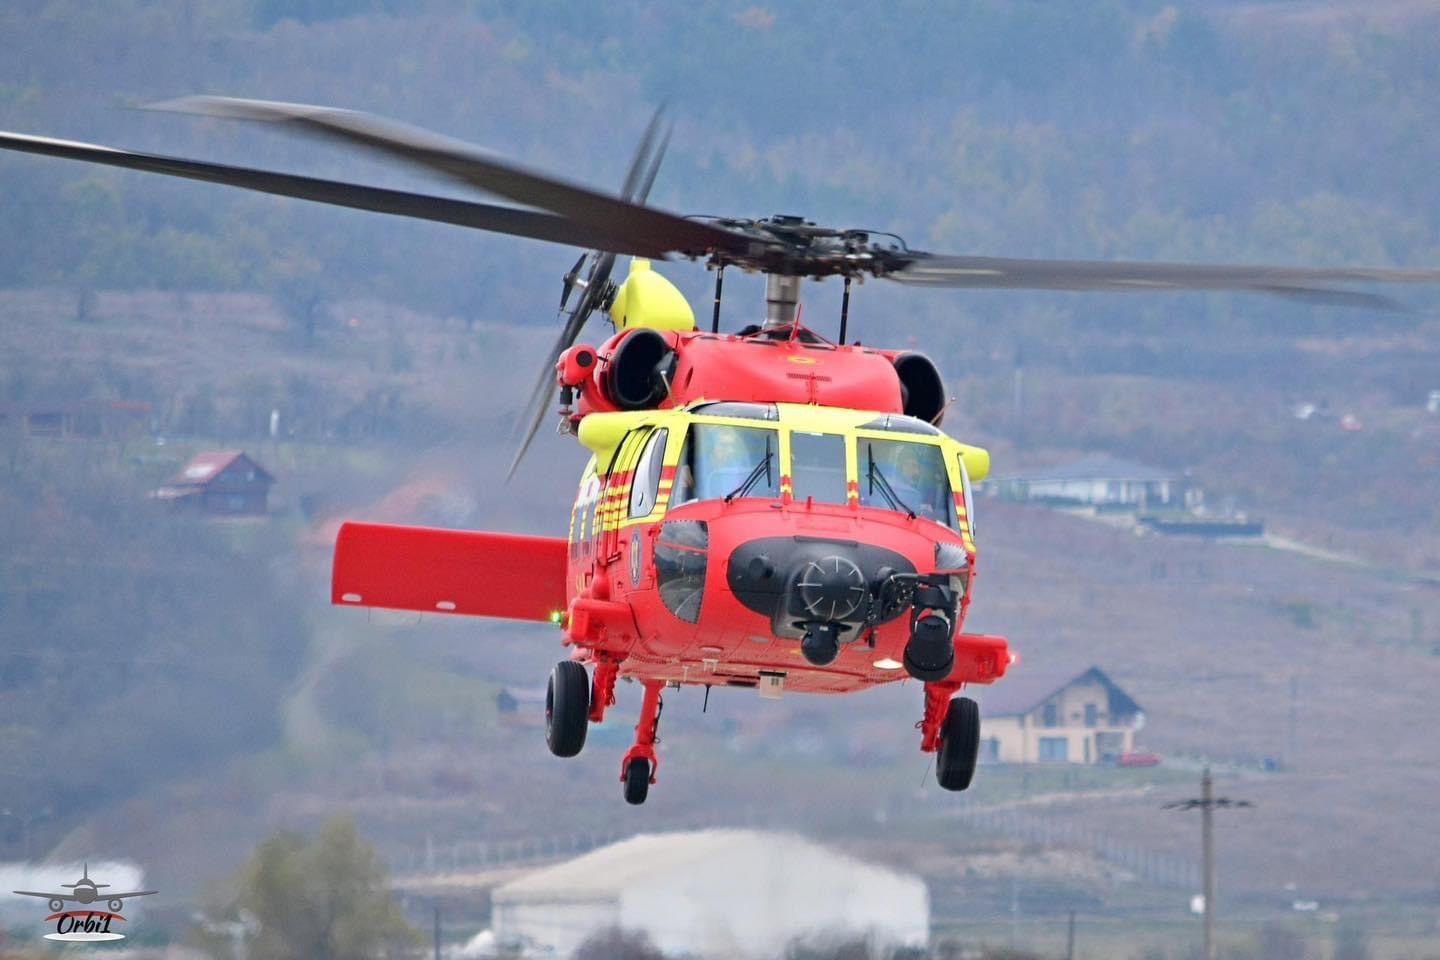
555, 616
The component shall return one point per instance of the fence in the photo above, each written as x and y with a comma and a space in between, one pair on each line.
1150, 866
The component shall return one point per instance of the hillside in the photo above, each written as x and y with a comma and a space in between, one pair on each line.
393, 358
1208, 637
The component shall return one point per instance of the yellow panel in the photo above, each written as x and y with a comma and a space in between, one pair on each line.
977, 461
602, 432
647, 299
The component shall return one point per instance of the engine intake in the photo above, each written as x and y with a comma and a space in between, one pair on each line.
922, 389
640, 370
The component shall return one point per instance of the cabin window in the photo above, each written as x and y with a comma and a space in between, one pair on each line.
905, 476
817, 466
645, 485
721, 460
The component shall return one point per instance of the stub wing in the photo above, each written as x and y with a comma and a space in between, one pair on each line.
470, 572
980, 658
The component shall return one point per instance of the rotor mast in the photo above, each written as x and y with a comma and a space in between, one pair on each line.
782, 300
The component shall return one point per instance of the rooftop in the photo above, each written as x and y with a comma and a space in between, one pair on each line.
1094, 468
609, 870
1024, 688
208, 464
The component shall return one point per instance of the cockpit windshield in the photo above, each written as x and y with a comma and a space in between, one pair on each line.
905, 476
720, 460
817, 466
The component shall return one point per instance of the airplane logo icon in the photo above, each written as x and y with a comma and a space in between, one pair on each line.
85, 891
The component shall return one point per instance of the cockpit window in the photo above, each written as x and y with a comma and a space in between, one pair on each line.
899, 423
817, 466
720, 460
733, 408
905, 476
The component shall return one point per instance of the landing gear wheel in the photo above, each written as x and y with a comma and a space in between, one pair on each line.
637, 780
959, 744
567, 708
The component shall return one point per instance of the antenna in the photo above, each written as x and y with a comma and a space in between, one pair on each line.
719, 286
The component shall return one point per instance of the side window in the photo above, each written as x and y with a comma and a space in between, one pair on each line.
645, 484
619, 477
684, 489
968, 497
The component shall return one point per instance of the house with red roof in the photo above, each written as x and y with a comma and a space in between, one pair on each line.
220, 483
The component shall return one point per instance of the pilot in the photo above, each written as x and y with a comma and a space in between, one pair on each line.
727, 456
920, 481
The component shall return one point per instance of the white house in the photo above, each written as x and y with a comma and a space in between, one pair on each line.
712, 893
1057, 714
1093, 480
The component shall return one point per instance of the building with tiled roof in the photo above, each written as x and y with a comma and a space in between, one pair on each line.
220, 482
1057, 714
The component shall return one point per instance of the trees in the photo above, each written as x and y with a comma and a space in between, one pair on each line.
320, 899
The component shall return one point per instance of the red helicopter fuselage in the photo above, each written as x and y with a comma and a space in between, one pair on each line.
798, 535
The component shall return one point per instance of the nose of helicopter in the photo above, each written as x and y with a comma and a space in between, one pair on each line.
799, 580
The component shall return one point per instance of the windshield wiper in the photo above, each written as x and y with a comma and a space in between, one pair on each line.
761, 469
887, 491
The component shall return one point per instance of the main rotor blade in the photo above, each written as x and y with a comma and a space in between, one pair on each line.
640, 164
638, 180
465, 213
470, 165
1014, 273
539, 403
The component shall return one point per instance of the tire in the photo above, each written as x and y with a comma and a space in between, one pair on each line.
637, 781
567, 708
959, 744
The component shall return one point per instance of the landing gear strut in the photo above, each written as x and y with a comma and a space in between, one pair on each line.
951, 729
637, 770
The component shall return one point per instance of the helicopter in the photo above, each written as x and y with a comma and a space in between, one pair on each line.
766, 509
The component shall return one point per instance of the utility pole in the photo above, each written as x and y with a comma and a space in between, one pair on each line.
1070, 938
1207, 803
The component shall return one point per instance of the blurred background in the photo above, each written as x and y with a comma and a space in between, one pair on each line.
1226, 507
